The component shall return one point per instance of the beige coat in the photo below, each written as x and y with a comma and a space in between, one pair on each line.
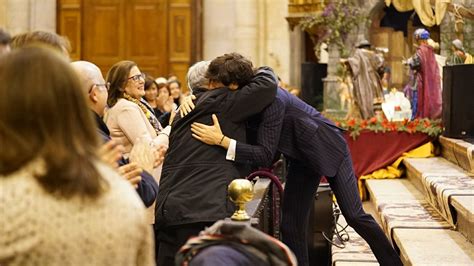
37, 228
127, 124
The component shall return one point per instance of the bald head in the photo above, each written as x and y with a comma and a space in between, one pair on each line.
92, 84
88, 73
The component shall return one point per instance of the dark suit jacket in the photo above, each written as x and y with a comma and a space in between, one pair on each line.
299, 132
195, 176
147, 188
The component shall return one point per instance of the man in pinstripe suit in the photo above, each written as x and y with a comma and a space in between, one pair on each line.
314, 147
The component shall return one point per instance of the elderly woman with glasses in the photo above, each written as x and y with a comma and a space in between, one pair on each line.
128, 119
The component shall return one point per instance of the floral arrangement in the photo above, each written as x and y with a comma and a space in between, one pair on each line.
355, 126
334, 24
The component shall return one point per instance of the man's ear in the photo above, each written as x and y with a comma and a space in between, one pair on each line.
93, 96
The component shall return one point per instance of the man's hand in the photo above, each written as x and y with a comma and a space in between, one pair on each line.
131, 172
160, 155
187, 105
110, 153
211, 135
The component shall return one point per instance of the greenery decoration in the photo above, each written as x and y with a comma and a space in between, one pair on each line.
334, 24
356, 126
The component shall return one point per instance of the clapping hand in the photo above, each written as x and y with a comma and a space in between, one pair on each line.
110, 152
132, 173
160, 155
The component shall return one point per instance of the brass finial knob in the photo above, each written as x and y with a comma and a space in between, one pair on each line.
240, 192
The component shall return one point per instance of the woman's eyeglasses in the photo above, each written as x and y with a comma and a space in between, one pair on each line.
137, 77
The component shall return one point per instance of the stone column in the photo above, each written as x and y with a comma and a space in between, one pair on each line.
276, 51
43, 15
3, 13
296, 55
331, 84
231, 26
247, 29
446, 31
255, 28
19, 16
219, 22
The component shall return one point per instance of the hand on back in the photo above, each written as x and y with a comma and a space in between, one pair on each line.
187, 105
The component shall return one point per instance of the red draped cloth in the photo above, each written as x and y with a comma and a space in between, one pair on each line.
428, 84
372, 151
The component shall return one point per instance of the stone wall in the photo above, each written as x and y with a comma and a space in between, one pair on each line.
448, 31
254, 28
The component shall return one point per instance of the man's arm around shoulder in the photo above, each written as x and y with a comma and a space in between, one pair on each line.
252, 98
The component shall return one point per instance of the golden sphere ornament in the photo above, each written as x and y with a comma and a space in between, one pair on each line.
240, 192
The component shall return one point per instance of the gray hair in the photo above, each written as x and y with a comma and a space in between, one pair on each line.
197, 75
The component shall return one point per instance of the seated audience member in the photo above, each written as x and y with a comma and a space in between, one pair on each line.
234, 244
161, 80
4, 42
128, 119
175, 91
193, 185
164, 102
151, 93
95, 88
157, 97
172, 77
60, 204
42, 37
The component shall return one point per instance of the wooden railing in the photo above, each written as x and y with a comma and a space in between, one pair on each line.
265, 207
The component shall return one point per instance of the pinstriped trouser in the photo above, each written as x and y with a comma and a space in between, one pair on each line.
300, 189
